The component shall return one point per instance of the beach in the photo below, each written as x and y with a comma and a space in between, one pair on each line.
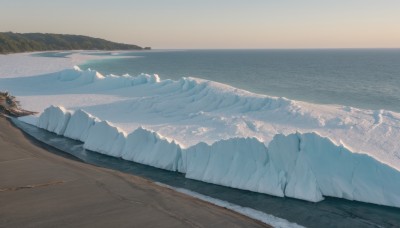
39, 188
193, 136
200, 114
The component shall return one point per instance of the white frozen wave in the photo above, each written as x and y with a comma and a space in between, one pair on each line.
304, 166
219, 134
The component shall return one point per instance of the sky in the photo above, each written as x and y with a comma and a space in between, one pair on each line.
208, 24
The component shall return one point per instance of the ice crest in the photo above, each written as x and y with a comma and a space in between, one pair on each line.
301, 165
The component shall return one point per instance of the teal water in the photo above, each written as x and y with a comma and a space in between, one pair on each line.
364, 78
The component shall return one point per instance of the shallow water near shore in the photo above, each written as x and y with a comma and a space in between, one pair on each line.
331, 212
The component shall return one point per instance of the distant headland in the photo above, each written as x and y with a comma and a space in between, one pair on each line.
28, 42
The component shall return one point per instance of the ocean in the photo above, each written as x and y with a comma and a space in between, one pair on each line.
363, 78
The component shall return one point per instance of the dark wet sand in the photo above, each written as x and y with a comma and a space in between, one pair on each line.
42, 189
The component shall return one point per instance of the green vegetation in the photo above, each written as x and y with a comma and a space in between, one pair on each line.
26, 42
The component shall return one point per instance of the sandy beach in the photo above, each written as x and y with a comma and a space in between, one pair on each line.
43, 189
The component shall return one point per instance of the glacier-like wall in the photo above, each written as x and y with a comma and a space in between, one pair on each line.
54, 119
79, 125
301, 165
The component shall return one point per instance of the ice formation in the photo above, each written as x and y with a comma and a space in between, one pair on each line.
219, 134
79, 125
304, 166
54, 119
101, 138
238, 162
150, 148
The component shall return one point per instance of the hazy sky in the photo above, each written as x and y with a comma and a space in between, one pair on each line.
213, 23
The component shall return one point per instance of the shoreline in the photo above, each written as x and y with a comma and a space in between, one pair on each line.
39, 188
268, 209
375, 119
111, 99
25, 65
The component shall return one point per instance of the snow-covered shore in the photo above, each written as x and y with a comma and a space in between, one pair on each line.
219, 134
25, 65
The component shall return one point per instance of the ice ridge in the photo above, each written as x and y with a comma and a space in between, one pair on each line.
306, 166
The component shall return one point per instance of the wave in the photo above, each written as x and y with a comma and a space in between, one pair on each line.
302, 165
219, 134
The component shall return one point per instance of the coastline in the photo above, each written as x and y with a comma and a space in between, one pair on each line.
275, 211
25, 65
346, 209
39, 188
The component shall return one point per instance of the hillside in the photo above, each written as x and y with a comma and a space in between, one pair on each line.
26, 42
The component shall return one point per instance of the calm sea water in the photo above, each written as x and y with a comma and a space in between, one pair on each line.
365, 78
